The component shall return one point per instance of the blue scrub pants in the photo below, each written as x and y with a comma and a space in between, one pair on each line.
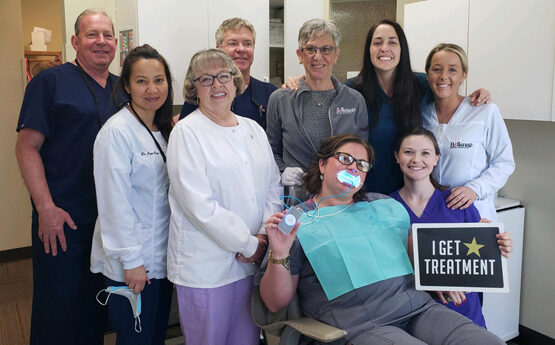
155, 312
65, 310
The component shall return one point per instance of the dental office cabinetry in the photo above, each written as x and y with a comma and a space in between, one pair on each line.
510, 47
501, 310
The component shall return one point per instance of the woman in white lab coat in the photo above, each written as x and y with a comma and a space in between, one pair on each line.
131, 233
224, 183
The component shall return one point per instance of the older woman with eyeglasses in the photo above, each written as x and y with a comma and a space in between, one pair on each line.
298, 120
224, 183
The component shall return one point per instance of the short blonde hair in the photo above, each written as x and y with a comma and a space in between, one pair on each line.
233, 24
450, 47
200, 62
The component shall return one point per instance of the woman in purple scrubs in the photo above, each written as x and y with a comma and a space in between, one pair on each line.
417, 154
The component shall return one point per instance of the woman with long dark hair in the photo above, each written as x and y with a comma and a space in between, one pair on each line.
394, 97
131, 232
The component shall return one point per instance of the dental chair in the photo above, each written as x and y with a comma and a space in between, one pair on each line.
288, 325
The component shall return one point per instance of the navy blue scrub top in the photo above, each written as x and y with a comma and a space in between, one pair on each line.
385, 177
58, 104
252, 103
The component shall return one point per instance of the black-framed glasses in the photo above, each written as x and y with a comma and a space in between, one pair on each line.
208, 80
325, 50
347, 159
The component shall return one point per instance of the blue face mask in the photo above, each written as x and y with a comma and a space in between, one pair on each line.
351, 180
134, 299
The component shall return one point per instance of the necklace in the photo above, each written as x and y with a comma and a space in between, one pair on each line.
317, 215
322, 102
314, 217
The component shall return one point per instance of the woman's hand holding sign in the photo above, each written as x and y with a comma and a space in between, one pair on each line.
504, 240
458, 297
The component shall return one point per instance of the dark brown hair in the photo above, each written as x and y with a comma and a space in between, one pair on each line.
407, 91
329, 147
163, 116
425, 133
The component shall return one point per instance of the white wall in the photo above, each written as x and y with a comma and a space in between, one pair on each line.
533, 184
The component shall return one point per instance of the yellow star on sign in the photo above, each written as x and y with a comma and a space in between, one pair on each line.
473, 247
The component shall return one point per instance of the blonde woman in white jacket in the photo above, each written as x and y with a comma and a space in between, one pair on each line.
131, 233
476, 151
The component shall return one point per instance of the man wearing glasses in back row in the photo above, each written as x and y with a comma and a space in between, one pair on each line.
236, 37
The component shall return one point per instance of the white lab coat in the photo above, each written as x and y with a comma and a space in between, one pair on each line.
224, 184
132, 196
476, 151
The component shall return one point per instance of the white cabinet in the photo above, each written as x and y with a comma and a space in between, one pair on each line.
424, 30
510, 46
501, 310
177, 31
296, 12
511, 51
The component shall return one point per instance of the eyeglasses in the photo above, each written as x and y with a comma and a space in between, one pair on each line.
208, 80
347, 159
310, 51
234, 44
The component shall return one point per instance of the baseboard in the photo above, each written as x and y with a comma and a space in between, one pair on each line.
16, 254
528, 336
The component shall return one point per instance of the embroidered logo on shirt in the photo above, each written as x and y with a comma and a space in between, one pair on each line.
149, 153
342, 110
459, 145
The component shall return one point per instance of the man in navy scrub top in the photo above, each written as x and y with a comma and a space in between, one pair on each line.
62, 111
236, 36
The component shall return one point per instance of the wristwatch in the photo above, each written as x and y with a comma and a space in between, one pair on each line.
284, 262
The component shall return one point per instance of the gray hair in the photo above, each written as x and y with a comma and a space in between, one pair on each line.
203, 60
86, 13
317, 27
233, 24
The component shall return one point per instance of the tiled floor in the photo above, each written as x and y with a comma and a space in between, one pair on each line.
16, 289
16, 293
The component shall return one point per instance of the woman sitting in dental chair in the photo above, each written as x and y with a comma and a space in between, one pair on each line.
349, 264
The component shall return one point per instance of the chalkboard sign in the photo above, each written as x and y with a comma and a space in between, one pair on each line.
459, 257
